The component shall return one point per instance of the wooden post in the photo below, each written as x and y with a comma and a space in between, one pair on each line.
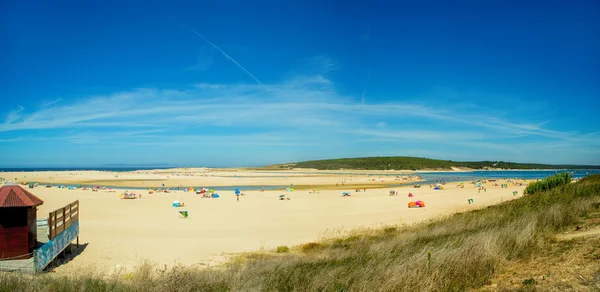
50, 222
64, 219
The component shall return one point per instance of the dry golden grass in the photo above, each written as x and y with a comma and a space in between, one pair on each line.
455, 253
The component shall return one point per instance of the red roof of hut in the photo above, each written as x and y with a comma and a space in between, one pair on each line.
16, 196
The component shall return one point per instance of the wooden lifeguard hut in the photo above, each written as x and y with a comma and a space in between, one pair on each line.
18, 228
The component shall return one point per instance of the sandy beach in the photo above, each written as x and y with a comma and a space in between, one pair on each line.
173, 178
125, 232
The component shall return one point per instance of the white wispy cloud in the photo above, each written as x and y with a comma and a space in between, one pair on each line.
302, 112
324, 64
14, 115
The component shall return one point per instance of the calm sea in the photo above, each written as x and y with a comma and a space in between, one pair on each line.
490, 174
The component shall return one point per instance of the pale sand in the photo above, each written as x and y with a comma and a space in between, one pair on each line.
206, 177
125, 232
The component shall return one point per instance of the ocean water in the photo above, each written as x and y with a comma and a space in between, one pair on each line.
430, 177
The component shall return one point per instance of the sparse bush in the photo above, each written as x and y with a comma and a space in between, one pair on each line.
282, 249
311, 246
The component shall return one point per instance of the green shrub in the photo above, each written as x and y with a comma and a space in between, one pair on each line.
282, 249
311, 246
548, 183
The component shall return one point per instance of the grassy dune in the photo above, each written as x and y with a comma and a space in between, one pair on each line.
460, 252
416, 163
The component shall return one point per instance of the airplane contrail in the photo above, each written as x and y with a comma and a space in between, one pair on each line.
222, 52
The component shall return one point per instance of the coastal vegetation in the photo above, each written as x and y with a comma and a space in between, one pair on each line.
455, 253
548, 183
416, 163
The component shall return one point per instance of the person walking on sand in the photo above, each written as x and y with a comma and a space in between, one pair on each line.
238, 196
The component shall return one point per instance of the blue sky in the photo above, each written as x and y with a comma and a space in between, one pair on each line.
234, 83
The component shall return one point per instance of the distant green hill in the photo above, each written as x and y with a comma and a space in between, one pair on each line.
416, 163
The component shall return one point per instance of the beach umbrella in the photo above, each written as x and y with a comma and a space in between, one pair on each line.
237, 191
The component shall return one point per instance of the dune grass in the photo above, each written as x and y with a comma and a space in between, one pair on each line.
454, 253
548, 183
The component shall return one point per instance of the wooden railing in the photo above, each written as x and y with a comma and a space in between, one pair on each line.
61, 219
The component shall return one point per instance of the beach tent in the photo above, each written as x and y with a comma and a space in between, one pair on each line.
237, 191
184, 213
177, 204
216, 196
345, 194
282, 197
410, 195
